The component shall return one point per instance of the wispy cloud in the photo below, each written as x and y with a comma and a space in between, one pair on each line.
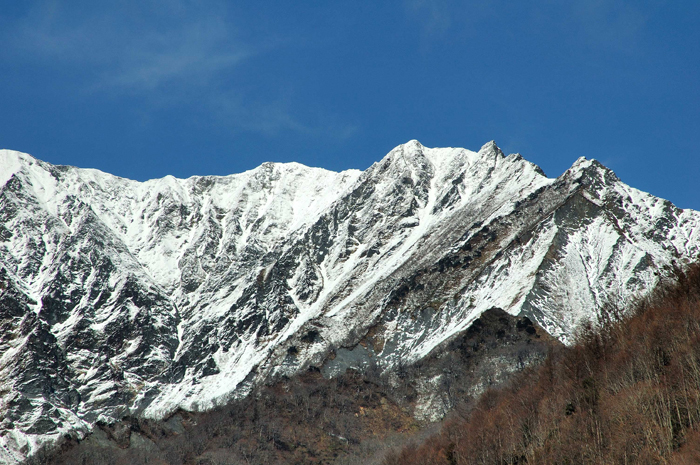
138, 50
274, 115
433, 16
194, 54
164, 53
439, 18
614, 25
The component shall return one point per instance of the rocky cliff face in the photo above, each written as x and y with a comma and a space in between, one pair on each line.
125, 298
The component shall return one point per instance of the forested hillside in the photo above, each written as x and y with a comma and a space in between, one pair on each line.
627, 392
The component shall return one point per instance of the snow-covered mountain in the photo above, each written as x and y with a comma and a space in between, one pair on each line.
126, 298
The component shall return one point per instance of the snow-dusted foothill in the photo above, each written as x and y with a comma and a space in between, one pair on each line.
122, 298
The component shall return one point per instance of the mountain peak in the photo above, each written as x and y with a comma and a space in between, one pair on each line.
413, 143
185, 293
491, 148
411, 148
592, 168
11, 162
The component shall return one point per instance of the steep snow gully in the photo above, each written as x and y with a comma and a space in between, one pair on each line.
125, 298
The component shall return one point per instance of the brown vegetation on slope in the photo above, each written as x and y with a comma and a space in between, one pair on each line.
627, 392
305, 420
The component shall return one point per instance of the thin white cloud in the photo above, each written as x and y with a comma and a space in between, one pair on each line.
438, 18
165, 53
613, 25
274, 116
137, 55
194, 54
433, 16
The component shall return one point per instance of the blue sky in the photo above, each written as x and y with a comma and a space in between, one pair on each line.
144, 89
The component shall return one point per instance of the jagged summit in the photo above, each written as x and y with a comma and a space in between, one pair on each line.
120, 297
413, 144
491, 148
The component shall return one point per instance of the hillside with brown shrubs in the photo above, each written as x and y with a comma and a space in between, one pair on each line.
627, 392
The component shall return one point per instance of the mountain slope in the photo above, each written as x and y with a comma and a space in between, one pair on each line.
141, 298
627, 392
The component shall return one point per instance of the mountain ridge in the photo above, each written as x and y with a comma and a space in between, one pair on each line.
187, 293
